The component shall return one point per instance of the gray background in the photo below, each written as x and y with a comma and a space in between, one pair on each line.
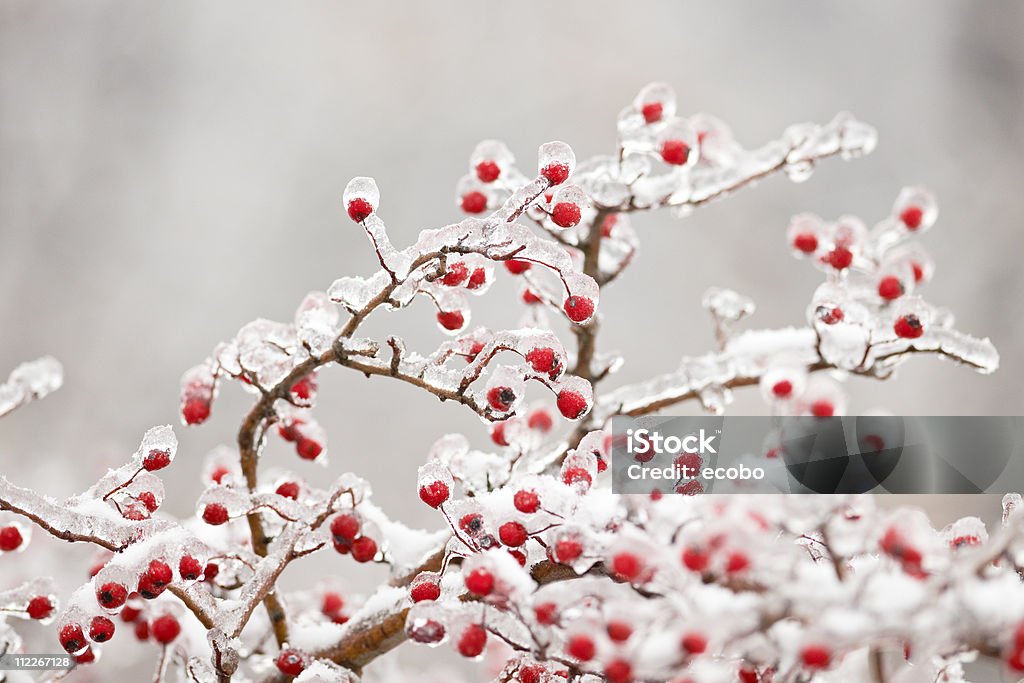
170, 171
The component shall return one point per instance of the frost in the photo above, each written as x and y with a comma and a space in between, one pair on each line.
30, 381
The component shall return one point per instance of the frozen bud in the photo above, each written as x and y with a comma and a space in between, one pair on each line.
676, 143
361, 198
556, 161
656, 102
915, 209
910, 317
490, 160
567, 205
805, 234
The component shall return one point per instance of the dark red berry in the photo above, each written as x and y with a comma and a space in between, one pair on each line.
288, 489
574, 475
578, 308
694, 643
805, 242
823, 408
148, 499
816, 656
565, 214
488, 171
10, 538
619, 631
567, 550
87, 657
498, 434
434, 494
219, 473
345, 527
501, 398
618, 671
512, 534
479, 582
456, 274
308, 449
215, 514
474, 202
304, 388
289, 662
627, 566
359, 209
830, 315
542, 360
840, 258
472, 640
472, 523
364, 549
652, 112
71, 637
427, 632
477, 279
425, 591
696, 559
189, 568
890, 288
195, 411
129, 614
526, 501
782, 388
39, 607
516, 266
141, 629
675, 152
148, 588
530, 298
546, 613
555, 173
540, 420
159, 572
111, 595
156, 459
101, 629
165, 629
571, 404
736, 562
912, 217
581, 647
908, 327
451, 320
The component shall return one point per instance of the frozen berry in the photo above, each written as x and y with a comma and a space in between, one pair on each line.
581, 647
289, 662
451, 320
141, 630
694, 643
627, 566
736, 562
477, 279
487, 171
218, 474
546, 613
578, 308
618, 671
908, 326
455, 275
474, 202
890, 288
111, 595
39, 607
782, 389
427, 632
695, 559
159, 572
652, 112
304, 388
148, 588
479, 582
542, 360
512, 534
540, 420
189, 568
87, 657
567, 550
912, 217
156, 459
10, 538
288, 489
576, 475
619, 631
148, 499
345, 527
515, 266
571, 404
71, 637
822, 408
101, 629
215, 514
830, 315
816, 656
359, 209
805, 242
530, 298
565, 214
165, 629
501, 398
840, 258
555, 173
472, 523
675, 152
308, 449
526, 501
472, 640
195, 411
434, 494
425, 591
498, 434
364, 549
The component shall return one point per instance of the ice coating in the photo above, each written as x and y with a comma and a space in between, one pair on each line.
30, 381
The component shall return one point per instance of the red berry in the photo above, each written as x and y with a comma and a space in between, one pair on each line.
129, 614
456, 274
823, 408
425, 590
908, 326
101, 629
219, 473
472, 523
840, 258
308, 449
87, 657
890, 288
210, 571
148, 499
782, 388
10, 538
581, 647
434, 494
532, 673
498, 434
512, 534
540, 420
675, 152
805, 242
215, 514
39, 607
555, 173
830, 315
304, 388
627, 566
526, 501
477, 279
918, 271
332, 603
619, 631
165, 629
694, 643
288, 489
472, 640
748, 674
474, 202
571, 404
542, 360
516, 266
736, 562
451, 320
159, 572
546, 613
488, 171
530, 298
816, 656
148, 588
71, 637
111, 595
141, 629
359, 209
479, 582
575, 475
911, 217
696, 559
428, 632
618, 671
652, 112
364, 549
501, 398
189, 568
289, 662
567, 550
345, 527
565, 214
578, 308
156, 459
195, 411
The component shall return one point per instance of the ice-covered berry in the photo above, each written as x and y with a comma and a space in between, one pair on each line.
101, 629
474, 202
215, 514
290, 662
578, 308
572, 404
434, 493
165, 628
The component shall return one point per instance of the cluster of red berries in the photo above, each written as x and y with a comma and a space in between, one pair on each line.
293, 430
700, 558
347, 536
458, 274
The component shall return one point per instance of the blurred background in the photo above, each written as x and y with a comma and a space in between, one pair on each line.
170, 171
